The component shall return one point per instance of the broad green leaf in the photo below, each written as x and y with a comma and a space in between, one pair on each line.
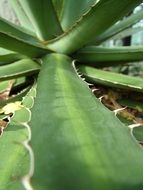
43, 17
103, 56
13, 38
111, 79
7, 56
117, 28
73, 10
21, 15
14, 157
78, 143
18, 68
100, 17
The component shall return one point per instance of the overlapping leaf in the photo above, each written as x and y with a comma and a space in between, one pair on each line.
82, 141
43, 17
91, 24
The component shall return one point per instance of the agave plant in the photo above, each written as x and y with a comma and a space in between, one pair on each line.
55, 134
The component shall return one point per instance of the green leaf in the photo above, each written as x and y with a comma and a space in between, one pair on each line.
4, 85
21, 15
111, 79
138, 133
58, 4
103, 56
73, 10
17, 97
43, 17
7, 56
14, 157
13, 38
78, 143
100, 17
134, 104
20, 32
119, 27
18, 68
21, 84
28, 100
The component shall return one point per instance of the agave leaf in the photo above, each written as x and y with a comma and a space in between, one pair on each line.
131, 104
100, 17
58, 4
17, 97
13, 38
43, 17
28, 100
111, 79
20, 32
4, 85
73, 10
20, 81
14, 151
14, 157
7, 56
104, 57
18, 68
5, 89
26, 96
119, 27
138, 133
21, 15
78, 146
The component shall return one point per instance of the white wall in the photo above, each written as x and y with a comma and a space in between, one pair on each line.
6, 11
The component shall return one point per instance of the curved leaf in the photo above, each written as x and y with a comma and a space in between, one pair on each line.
15, 98
13, 38
100, 17
111, 79
58, 4
73, 10
21, 15
102, 56
134, 104
43, 17
16, 155
18, 68
138, 133
78, 146
7, 56
119, 27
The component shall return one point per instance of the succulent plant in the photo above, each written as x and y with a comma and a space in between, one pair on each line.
55, 134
